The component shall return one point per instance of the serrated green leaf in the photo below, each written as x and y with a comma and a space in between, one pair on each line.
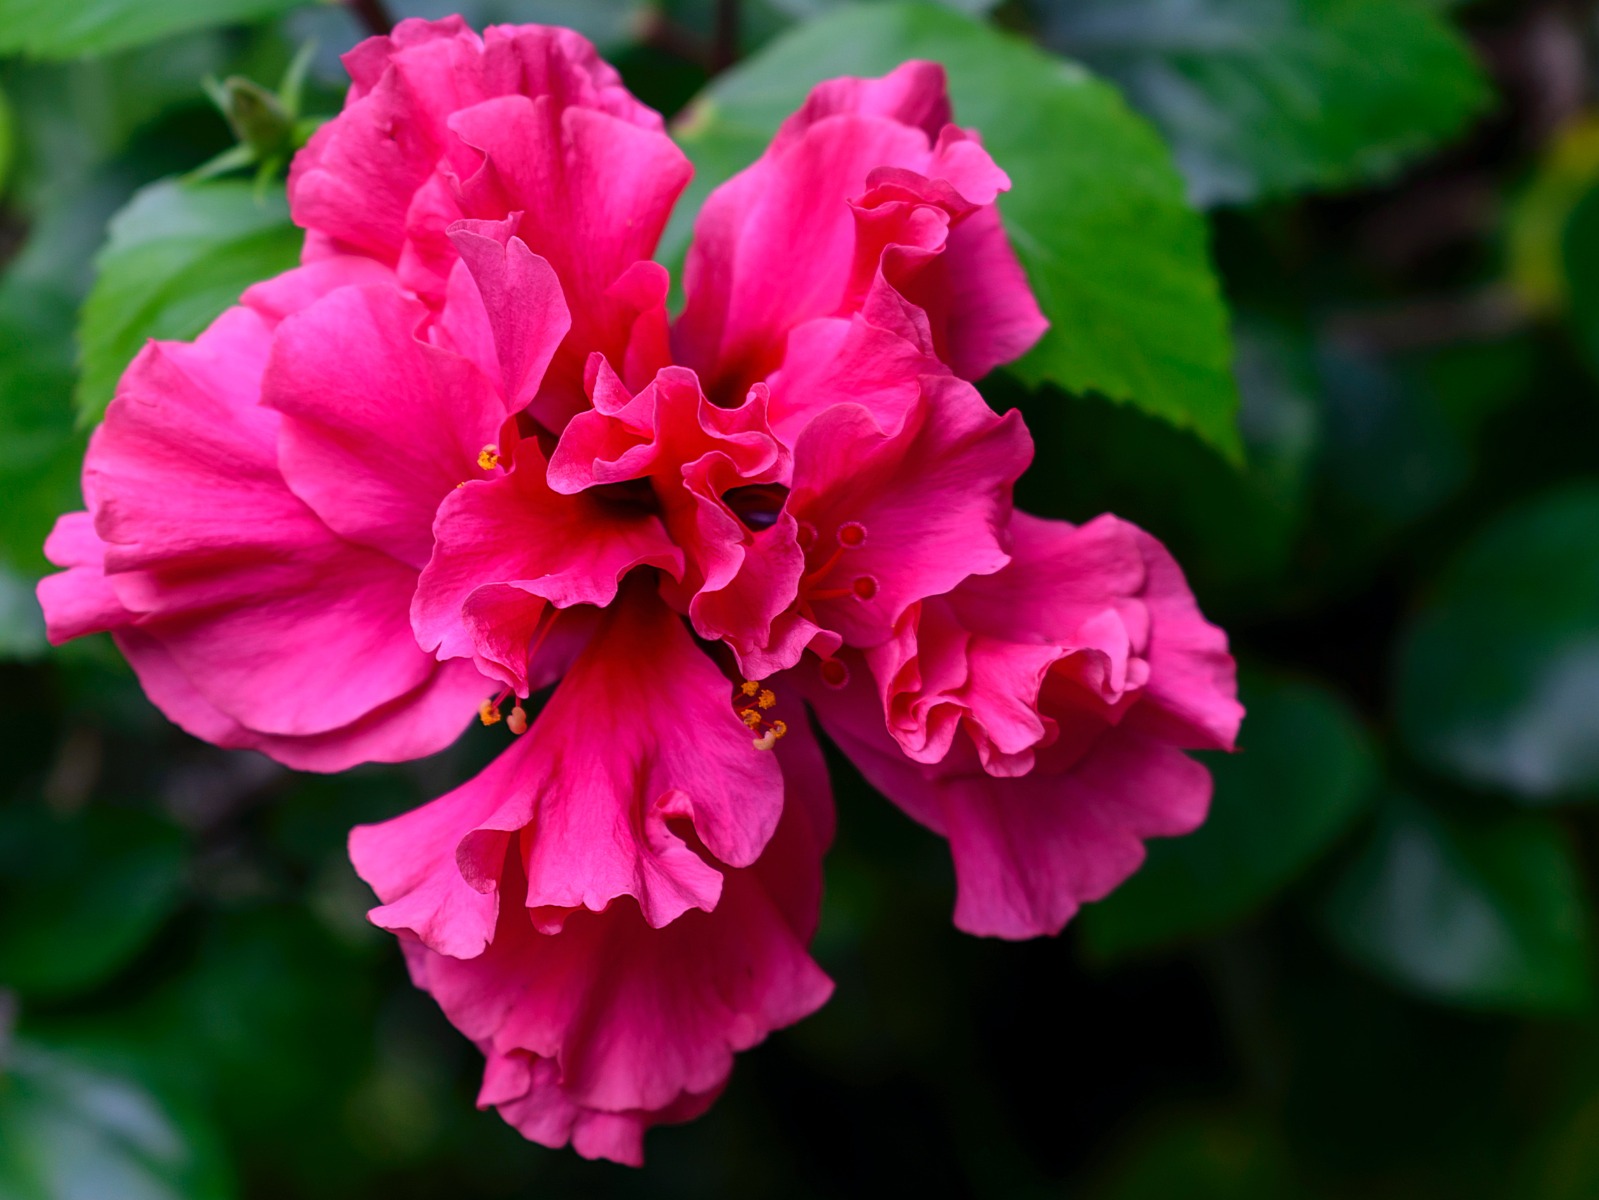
49, 29
1499, 673
177, 255
1117, 258
1482, 912
1263, 97
1304, 771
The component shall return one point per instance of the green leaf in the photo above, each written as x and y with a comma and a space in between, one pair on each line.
1304, 771
1117, 258
8, 142
49, 29
1487, 913
177, 255
70, 1131
1263, 97
1499, 673
82, 897
40, 451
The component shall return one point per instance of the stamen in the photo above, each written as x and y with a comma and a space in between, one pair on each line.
517, 721
748, 705
488, 712
489, 457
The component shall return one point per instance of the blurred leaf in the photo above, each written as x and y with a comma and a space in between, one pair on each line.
1499, 674
1210, 1156
176, 257
21, 622
1536, 221
8, 142
68, 1132
1303, 772
48, 29
1261, 97
40, 452
1117, 258
1579, 261
1480, 912
82, 896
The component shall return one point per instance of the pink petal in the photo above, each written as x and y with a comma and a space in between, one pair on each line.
378, 426
515, 529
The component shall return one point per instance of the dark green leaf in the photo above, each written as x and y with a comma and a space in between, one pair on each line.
1579, 260
1486, 913
1499, 674
1117, 258
82, 896
70, 1132
1206, 1156
176, 257
1303, 772
1260, 97
47, 29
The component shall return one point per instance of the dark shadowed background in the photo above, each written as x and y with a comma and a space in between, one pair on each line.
1370, 975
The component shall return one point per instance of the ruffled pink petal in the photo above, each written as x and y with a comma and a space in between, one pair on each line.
79, 600
890, 516
567, 549
857, 195
600, 810
1028, 850
590, 194
378, 426
355, 182
415, 725
249, 622
512, 317
596, 1032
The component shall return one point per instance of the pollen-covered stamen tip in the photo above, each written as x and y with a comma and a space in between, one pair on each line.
488, 712
517, 721
489, 457
749, 704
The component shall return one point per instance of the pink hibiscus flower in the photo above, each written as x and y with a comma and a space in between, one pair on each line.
461, 456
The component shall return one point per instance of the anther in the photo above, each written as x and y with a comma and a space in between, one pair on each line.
748, 688
489, 457
517, 721
767, 698
488, 712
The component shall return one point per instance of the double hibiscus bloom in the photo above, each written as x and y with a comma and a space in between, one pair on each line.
461, 456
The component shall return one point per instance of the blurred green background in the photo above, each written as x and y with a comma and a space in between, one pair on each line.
1324, 278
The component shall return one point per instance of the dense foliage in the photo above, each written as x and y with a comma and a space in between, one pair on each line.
1323, 278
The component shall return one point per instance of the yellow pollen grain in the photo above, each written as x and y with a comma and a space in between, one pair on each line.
488, 713
767, 698
748, 689
489, 457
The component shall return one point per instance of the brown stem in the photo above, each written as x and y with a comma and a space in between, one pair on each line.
373, 14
